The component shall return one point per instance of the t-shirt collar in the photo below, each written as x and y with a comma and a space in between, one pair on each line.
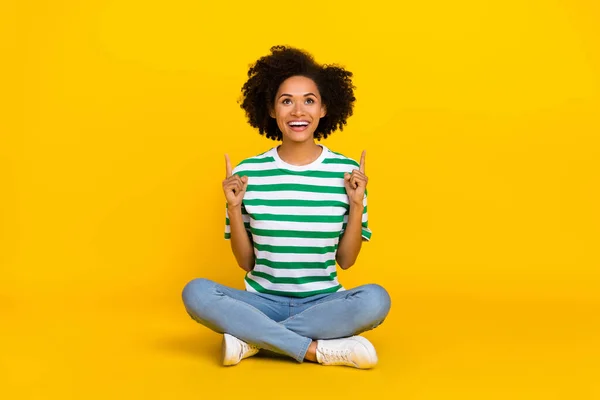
282, 164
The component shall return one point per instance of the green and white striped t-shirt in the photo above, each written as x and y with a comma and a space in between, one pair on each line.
295, 216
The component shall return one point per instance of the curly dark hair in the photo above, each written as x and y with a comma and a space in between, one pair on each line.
266, 75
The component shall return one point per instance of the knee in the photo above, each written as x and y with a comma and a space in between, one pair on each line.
377, 302
195, 291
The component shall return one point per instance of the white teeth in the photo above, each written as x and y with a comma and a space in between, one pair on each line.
298, 123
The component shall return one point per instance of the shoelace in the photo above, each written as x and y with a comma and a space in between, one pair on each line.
330, 355
245, 348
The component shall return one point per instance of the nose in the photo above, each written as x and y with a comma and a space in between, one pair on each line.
297, 110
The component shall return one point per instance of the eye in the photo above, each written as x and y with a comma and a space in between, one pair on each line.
310, 101
286, 101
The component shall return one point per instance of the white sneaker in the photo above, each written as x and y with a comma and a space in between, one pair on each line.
355, 351
235, 350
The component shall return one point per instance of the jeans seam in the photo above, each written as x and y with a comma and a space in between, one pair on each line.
301, 353
252, 308
310, 308
300, 356
221, 293
282, 303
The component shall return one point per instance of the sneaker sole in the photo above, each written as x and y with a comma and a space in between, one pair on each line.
228, 342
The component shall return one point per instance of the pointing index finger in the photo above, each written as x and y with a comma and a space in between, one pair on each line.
362, 161
227, 167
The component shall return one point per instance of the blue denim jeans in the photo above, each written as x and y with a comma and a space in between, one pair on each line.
285, 325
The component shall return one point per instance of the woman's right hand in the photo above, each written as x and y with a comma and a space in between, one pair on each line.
234, 187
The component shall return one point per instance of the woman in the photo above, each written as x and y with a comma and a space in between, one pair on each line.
293, 212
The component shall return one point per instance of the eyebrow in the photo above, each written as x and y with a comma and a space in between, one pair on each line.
306, 95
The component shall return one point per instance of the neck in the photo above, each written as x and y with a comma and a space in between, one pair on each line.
299, 153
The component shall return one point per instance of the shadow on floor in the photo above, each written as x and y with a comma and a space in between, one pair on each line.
208, 347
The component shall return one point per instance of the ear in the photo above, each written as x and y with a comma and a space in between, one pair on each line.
323, 110
272, 112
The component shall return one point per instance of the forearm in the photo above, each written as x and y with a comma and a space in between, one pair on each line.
241, 245
351, 240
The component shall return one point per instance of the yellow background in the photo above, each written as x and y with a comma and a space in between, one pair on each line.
480, 120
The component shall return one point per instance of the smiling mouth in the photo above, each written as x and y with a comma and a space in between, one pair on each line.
298, 126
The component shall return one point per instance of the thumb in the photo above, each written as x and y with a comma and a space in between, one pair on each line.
346, 176
245, 181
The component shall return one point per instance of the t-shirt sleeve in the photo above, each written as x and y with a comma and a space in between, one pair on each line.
245, 218
245, 215
366, 231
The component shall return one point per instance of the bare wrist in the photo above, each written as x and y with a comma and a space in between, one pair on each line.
234, 209
357, 206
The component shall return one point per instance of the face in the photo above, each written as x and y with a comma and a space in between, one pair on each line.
298, 109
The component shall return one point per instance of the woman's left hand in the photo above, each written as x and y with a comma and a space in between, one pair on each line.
356, 183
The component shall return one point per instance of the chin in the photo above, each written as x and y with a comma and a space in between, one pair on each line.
299, 137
